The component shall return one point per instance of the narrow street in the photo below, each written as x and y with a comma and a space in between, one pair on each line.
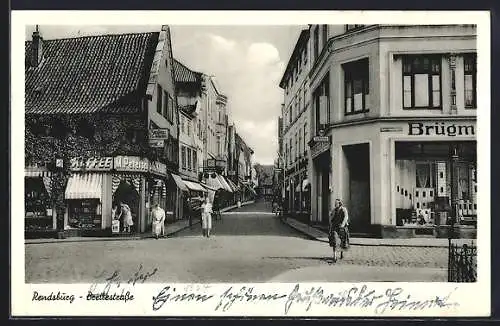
248, 245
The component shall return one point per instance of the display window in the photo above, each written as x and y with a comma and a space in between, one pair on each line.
84, 214
38, 213
435, 183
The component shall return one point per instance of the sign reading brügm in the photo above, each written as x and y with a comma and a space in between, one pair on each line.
131, 163
440, 129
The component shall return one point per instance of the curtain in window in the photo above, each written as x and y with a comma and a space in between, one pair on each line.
421, 90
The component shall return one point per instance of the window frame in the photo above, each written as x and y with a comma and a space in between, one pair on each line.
183, 157
473, 72
361, 72
159, 99
430, 73
323, 89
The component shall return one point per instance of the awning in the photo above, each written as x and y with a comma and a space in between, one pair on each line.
45, 175
84, 186
36, 173
194, 186
214, 183
305, 183
233, 186
224, 183
178, 181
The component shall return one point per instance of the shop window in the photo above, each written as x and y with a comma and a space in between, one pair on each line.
424, 173
470, 81
356, 87
421, 82
84, 214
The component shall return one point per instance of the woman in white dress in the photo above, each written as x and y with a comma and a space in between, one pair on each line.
127, 216
206, 217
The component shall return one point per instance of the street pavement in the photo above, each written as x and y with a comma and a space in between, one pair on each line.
249, 245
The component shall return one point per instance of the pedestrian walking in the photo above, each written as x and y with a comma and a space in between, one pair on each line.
158, 218
126, 214
338, 233
206, 217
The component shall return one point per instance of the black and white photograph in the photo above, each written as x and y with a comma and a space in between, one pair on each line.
230, 168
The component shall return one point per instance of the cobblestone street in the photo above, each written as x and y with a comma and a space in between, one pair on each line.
248, 245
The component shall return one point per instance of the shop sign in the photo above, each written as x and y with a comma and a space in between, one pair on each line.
318, 139
158, 168
92, 164
158, 134
210, 163
131, 163
157, 143
319, 148
440, 129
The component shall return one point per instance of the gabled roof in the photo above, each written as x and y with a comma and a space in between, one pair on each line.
90, 74
185, 75
297, 51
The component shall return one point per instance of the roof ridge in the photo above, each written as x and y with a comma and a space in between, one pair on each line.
96, 35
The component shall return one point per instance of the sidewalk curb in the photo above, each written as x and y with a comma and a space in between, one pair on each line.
311, 236
144, 237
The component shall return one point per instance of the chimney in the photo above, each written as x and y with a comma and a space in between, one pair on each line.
36, 48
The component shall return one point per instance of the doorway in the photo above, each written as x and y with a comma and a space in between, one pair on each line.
323, 166
358, 187
127, 194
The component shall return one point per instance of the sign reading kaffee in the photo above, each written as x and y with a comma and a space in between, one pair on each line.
91, 164
131, 163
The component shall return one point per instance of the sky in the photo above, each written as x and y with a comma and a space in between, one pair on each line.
247, 62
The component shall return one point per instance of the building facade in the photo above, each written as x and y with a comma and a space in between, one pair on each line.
394, 127
101, 134
295, 124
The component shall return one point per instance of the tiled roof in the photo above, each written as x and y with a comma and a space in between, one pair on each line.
185, 75
90, 74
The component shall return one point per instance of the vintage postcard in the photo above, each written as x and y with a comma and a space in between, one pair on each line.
250, 163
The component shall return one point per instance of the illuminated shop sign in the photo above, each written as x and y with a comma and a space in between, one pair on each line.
440, 129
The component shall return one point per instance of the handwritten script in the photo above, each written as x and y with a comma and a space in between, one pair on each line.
305, 297
112, 288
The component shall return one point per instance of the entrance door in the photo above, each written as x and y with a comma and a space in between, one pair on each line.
358, 203
127, 194
324, 168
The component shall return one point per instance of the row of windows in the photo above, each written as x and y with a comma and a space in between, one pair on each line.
189, 159
296, 146
421, 86
165, 104
191, 126
297, 70
296, 106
